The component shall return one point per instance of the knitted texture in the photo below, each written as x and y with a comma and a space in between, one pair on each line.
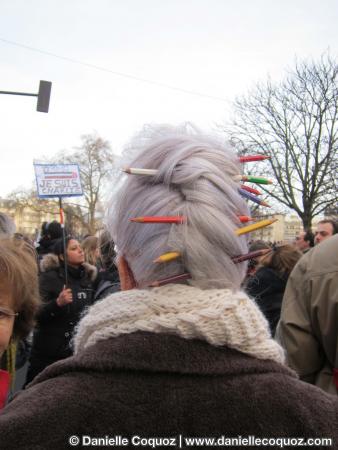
217, 316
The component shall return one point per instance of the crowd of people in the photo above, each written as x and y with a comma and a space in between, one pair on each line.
197, 344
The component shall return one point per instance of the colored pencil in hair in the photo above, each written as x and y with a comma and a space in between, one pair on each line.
250, 158
136, 171
245, 219
181, 277
252, 197
250, 189
166, 257
159, 219
252, 179
254, 226
251, 255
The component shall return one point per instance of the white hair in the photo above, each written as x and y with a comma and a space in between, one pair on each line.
195, 179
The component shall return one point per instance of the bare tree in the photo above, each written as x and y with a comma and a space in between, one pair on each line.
96, 163
26, 199
295, 122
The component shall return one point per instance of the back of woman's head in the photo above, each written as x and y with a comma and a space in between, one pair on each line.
107, 250
282, 259
59, 248
19, 277
54, 230
7, 225
90, 246
195, 179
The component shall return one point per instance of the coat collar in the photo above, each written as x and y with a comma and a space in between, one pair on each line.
52, 262
162, 353
218, 316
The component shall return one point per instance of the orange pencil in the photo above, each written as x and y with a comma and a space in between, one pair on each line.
245, 219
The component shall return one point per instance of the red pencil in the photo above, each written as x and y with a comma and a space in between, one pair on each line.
250, 189
250, 158
245, 219
159, 219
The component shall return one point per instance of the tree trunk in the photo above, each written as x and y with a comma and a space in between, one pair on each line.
307, 221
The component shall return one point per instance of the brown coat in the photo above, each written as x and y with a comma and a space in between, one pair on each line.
162, 385
308, 328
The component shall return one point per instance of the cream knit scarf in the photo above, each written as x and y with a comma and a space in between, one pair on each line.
217, 316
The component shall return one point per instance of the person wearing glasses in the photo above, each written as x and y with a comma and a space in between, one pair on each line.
19, 298
304, 241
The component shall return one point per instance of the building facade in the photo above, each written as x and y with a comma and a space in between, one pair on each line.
285, 229
27, 220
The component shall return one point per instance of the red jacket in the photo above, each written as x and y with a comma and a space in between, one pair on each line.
4, 387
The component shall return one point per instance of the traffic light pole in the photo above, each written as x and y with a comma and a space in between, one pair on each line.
43, 95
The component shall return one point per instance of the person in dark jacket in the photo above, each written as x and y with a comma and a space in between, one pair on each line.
268, 284
181, 351
62, 305
109, 281
51, 232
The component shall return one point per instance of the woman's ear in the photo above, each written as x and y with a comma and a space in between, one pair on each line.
126, 275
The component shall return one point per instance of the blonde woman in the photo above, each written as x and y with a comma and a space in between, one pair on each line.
19, 298
91, 248
268, 284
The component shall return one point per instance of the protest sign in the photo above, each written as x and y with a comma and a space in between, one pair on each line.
58, 180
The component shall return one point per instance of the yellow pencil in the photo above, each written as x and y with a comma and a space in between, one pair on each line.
255, 226
166, 257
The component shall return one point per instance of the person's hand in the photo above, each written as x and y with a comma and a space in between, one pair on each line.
65, 297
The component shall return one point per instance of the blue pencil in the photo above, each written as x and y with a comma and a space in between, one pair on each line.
252, 197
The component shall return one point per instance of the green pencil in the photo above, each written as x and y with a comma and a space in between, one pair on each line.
258, 180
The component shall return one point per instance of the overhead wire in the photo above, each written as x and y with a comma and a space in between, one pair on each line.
120, 74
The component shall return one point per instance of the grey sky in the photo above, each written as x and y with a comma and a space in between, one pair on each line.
216, 47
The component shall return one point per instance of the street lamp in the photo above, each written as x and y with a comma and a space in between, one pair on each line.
43, 95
